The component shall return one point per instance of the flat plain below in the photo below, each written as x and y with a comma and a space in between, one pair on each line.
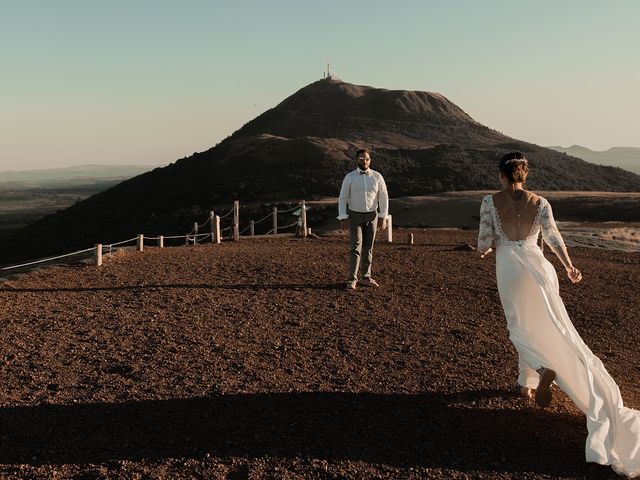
250, 360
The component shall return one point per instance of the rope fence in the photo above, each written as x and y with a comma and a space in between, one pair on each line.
122, 242
48, 259
194, 236
226, 214
289, 226
290, 210
263, 218
171, 237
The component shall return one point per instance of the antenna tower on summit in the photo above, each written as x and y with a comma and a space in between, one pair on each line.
328, 75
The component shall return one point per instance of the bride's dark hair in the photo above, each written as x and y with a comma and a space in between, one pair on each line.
514, 167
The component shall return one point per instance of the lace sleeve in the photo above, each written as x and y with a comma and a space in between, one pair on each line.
549, 228
486, 230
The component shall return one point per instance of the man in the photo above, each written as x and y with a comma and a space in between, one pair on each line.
364, 191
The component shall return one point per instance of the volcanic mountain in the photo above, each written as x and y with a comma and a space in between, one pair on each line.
302, 148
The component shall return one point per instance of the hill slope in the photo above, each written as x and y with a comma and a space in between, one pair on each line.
302, 148
627, 158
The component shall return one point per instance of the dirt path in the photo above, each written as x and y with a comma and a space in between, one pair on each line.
249, 360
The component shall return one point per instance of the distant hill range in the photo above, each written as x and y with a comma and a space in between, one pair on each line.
621, 157
301, 149
82, 175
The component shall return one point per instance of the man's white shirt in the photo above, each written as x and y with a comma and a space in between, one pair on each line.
363, 191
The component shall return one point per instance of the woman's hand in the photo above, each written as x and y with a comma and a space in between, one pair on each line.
574, 274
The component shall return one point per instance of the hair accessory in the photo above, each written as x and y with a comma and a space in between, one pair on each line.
516, 160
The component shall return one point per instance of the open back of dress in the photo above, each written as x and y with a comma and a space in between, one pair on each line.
517, 219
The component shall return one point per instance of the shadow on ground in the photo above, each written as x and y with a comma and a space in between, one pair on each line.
186, 286
428, 430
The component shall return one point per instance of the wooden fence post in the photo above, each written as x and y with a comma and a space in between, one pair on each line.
303, 213
275, 220
212, 222
252, 228
140, 242
160, 241
389, 229
236, 220
195, 232
98, 255
217, 230
186, 239
411, 239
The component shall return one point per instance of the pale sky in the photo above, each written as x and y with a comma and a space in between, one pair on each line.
148, 82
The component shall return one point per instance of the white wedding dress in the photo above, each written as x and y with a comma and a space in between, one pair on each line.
544, 336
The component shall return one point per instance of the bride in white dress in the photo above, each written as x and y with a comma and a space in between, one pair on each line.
549, 347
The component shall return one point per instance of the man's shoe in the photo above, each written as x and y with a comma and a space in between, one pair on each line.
543, 392
351, 285
368, 282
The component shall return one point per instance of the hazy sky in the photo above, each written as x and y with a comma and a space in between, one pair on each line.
136, 81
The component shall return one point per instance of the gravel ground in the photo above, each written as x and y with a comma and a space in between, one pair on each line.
249, 360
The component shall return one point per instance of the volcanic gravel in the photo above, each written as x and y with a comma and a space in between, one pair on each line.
250, 360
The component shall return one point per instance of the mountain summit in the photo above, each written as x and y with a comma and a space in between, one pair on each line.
372, 116
301, 148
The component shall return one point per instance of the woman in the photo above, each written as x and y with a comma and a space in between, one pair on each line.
549, 347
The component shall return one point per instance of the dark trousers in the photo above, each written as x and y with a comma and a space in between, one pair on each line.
362, 234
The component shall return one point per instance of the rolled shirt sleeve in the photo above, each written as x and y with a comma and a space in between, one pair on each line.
383, 198
342, 200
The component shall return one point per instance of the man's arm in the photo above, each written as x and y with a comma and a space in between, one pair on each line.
342, 199
383, 203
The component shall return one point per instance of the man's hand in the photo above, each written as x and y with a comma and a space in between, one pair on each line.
345, 225
382, 223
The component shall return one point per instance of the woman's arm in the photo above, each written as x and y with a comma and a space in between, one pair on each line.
486, 229
552, 237
572, 272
